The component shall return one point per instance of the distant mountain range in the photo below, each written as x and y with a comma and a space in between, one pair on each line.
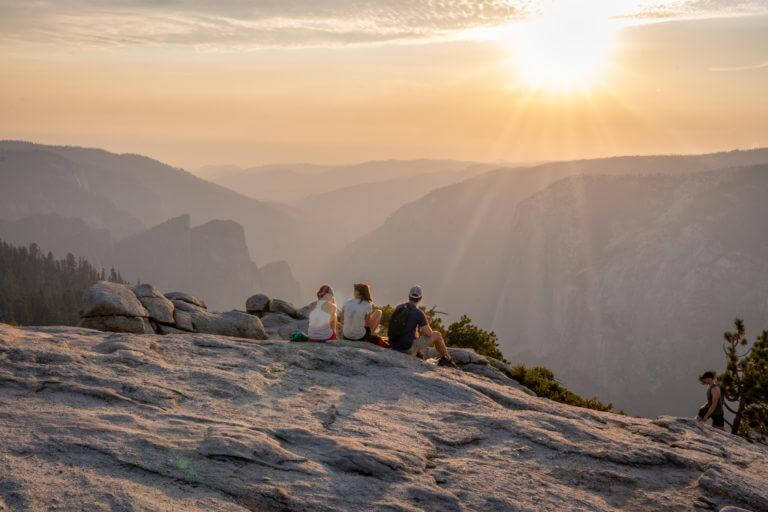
619, 273
129, 193
575, 280
99, 205
294, 182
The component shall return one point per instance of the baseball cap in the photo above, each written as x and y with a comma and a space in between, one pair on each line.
416, 292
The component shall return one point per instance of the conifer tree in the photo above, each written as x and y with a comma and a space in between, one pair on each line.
745, 383
37, 289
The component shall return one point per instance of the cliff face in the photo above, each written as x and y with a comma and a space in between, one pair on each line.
211, 260
622, 284
202, 422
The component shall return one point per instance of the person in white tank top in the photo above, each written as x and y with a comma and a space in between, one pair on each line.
322, 317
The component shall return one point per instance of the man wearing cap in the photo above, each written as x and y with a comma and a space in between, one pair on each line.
409, 330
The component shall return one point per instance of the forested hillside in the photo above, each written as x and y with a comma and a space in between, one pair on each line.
38, 289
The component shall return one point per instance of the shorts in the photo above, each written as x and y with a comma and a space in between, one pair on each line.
371, 338
366, 336
332, 338
419, 344
718, 420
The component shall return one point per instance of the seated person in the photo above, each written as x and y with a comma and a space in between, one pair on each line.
322, 316
406, 320
360, 321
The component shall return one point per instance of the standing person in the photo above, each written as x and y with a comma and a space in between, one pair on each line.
714, 406
360, 320
409, 330
322, 317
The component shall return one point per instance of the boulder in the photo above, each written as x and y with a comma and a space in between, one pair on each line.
146, 290
256, 304
230, 323
167, 329
186, 306
275, 320
183, 320
303, 313
461, 356
281, 306
185, 297
284, 332
130, 324
160, 309
111, 299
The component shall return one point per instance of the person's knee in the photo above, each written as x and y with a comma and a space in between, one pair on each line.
437, 337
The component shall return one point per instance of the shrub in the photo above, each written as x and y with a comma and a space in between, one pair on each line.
464, 334
542, 381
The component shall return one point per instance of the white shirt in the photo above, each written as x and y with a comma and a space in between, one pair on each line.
354, 312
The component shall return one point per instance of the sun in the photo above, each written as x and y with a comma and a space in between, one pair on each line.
561, 51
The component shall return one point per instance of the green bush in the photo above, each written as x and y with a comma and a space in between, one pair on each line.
542, 381
464, 334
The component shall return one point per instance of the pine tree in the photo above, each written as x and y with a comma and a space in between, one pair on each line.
37, 289
464, 333
745, 383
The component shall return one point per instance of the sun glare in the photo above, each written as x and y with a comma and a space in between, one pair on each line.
561, 51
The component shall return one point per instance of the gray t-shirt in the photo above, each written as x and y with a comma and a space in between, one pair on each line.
353, 314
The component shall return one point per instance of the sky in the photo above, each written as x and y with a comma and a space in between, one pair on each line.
336, 81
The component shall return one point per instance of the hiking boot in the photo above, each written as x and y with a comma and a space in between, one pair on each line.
448, 362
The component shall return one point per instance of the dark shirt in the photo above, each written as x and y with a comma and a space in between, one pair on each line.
719, 407
416, 318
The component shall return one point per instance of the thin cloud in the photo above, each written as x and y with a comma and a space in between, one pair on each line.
751, 67
246, 24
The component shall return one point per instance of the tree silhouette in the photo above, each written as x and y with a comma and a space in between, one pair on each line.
745, 382
37, 289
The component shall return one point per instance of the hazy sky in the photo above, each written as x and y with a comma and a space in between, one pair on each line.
249, 82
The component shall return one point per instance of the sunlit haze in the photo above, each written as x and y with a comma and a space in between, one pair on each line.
195, 84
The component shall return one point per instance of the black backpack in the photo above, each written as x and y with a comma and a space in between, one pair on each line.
398, 322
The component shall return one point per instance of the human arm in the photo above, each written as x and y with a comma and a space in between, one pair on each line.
330, 308
423, 325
